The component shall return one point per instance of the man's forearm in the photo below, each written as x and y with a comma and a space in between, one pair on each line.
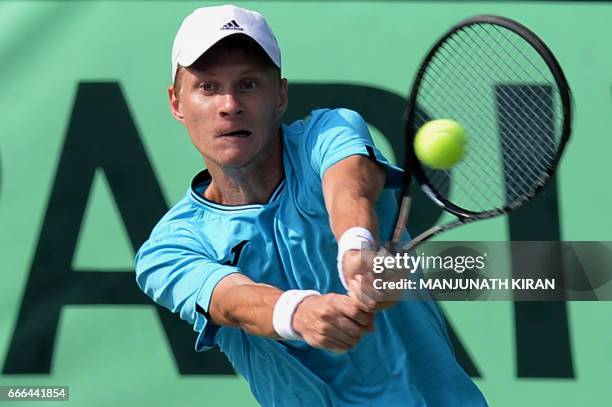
329, 321
351, 188
349, 210
238, 301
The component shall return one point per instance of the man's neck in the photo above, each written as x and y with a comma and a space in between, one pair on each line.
250, 185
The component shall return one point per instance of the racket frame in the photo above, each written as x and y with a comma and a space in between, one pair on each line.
414, 168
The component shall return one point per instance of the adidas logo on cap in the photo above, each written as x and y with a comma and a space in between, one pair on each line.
232, 25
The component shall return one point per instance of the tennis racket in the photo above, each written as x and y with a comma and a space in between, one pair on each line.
504, 86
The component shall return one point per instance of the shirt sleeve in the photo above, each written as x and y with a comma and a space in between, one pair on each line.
337, 134
172, 269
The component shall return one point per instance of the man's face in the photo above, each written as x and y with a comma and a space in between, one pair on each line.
231, 104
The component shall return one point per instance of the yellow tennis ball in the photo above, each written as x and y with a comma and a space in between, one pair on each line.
440, 144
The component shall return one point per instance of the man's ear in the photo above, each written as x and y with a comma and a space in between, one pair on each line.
283, 100
175, 105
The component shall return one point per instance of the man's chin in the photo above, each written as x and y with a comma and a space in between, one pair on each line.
235, 162
243, 159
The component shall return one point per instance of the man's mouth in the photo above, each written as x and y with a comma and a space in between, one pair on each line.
237, 133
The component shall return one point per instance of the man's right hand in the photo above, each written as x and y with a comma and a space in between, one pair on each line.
332, 321
360, 279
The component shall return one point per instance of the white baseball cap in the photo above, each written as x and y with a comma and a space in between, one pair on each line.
206, 26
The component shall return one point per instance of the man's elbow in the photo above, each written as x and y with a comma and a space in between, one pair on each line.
146, 280
140, 271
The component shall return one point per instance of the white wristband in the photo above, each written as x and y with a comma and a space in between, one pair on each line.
354, 238
282, 317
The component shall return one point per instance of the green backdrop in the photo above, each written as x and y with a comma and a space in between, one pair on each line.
90, 157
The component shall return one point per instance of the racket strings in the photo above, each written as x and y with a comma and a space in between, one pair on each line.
477, 151
496, 85
514, 93
442, 179
520, 49
490, 130
533, 148
475, 192
526, 124
529, 59
521, 66
490, 149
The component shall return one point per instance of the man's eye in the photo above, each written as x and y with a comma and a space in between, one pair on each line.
249, 85
207, 87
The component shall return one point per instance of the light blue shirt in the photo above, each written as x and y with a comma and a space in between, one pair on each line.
287, 242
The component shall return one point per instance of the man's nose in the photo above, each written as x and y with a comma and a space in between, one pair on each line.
230, 105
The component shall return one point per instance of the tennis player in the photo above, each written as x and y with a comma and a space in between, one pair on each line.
261, 253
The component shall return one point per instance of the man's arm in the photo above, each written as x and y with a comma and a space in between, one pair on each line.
350, 189
240, 302
330, 321
171, 269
